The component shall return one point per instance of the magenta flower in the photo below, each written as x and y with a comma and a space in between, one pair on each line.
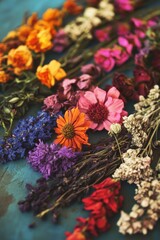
102, 108
108, 58
124, 5
103, 34
104, 57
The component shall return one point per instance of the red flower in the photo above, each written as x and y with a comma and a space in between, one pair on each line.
125, 85
102, 203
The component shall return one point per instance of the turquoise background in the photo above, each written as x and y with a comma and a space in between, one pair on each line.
14, 175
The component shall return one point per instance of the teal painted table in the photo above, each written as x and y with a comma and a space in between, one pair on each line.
14, 176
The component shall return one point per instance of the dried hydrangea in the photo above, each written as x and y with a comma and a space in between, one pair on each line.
145, 214
134, 168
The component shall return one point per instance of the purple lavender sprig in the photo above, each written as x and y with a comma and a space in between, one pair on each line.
26, 134
52, 159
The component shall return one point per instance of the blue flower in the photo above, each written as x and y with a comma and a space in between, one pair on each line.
26, 134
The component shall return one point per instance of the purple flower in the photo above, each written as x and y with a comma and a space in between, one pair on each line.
61, 41
52, 159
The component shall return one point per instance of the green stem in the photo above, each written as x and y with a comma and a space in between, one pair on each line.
42, 59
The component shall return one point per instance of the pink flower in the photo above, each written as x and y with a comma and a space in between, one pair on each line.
103, 34
105, 59
123, 28
123, 41
102, 108
124, 5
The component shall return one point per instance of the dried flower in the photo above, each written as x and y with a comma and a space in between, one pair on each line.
25, 135
134, 169
102, 204
103, 34
48, 74
23, 32
54, 16
92, 69
61, 41
4, 77
102, 108
20, 58
115, 128
71, 7
39, 41
107, 58
72, 129
145, 213
52, 159
125, 85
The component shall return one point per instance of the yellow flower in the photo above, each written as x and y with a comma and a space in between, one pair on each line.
40, 41
20, 58
49, 73
54, 16
44, 25
23, 32
4, 77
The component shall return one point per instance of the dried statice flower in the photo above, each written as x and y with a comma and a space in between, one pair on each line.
145, 213
134, 169
134, 124
147, 105
145, 118
26, 134
52, 159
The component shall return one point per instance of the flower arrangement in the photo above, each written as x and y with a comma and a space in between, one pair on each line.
76, 102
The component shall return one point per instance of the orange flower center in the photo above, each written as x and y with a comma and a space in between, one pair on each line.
19, 61
68, 131
97, 113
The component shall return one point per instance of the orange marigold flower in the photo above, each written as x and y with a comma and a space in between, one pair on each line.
72, 129
54, 16
4, 77
3, 48
40, 41
32, 19
20, 58
48, 74
44, 25
71, 7
23, 32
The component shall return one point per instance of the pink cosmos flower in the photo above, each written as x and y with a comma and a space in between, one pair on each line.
102, 108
